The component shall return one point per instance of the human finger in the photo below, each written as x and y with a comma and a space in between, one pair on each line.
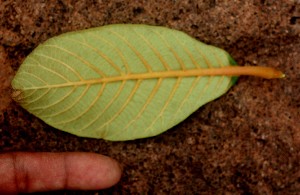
34, 172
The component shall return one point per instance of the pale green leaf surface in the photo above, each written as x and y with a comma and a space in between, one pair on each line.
103, 82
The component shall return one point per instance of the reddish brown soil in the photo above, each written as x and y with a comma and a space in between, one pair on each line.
246, 142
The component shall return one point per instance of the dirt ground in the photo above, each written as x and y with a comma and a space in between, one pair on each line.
246, 142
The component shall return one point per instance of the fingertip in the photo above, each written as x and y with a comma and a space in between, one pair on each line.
115, 172
110, 170
98, 171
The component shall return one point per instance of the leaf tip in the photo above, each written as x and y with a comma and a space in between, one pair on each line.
17, 95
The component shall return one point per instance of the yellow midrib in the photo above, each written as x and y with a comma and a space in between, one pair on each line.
265, 72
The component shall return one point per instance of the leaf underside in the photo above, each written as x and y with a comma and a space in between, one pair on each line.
119, 82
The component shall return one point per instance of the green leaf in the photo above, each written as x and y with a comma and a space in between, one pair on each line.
120, 82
